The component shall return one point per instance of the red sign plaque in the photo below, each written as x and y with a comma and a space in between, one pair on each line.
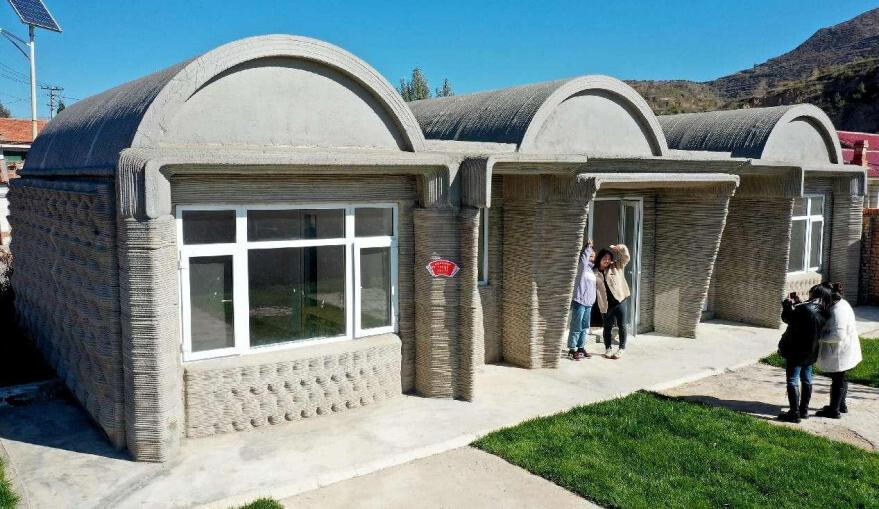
442, 268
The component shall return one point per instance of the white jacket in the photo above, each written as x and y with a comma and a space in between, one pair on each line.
840, 346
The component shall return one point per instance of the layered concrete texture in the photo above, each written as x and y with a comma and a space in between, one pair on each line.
290, 120
107, 315
748, 288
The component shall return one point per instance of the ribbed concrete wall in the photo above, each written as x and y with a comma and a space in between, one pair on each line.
150, 311
243, 393
437, 318
749, 277
65, 276
544, 220
277, 189
845, 250
689, 225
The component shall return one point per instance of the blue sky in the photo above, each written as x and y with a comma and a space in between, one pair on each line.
477, 45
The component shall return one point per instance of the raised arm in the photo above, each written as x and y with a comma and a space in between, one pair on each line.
621, 255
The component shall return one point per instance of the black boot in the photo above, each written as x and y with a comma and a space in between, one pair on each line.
843, 407
805, 397
831, 411
793, 399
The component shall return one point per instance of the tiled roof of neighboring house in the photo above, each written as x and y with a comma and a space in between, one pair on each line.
853, 150
18, 130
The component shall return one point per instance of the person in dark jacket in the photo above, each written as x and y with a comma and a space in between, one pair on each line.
799, 347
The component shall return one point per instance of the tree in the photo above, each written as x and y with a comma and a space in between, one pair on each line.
416, 88
445, 90
61, 107
4, 111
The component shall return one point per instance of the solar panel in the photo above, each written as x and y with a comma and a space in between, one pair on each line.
34, 12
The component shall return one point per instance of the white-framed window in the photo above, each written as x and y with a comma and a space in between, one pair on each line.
807, 234
262, 277
482, 258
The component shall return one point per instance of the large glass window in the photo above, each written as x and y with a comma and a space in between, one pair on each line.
807, 234
258, 277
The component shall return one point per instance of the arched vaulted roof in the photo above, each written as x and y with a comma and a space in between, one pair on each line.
277, 90
794, 133
584, 114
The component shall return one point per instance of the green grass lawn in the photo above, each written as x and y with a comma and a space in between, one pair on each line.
645, 450
263, 503
8, 498
866, 373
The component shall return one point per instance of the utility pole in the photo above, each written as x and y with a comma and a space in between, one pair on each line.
53, 91
32, 13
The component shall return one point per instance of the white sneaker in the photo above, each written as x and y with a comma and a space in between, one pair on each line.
608, 353
618, 354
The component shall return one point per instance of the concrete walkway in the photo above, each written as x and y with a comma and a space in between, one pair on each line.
58, 459
464, 477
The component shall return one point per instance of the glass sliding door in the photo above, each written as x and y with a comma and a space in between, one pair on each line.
615, 221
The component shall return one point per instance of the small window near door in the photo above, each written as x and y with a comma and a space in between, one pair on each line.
807, 235
482, 258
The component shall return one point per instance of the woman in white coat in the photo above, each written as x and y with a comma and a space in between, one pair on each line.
839, 352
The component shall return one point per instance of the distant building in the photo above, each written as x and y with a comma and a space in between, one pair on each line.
863, 149
16, 139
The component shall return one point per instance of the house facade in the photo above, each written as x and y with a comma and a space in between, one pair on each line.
267, 233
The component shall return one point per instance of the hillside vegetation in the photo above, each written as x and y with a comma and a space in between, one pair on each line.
837, 69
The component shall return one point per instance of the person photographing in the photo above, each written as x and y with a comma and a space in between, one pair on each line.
612, 292
799, 347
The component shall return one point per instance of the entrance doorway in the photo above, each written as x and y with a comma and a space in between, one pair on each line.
614, 221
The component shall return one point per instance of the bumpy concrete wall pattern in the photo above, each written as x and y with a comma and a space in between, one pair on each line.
67, 288
239, 394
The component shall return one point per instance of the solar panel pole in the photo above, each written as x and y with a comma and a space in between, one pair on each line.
33, 60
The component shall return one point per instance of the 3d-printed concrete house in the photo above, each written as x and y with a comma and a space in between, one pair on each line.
242, 239
796, 218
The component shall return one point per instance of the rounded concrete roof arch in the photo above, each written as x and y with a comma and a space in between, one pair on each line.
88, 136
818, 119
206, 67
628, 96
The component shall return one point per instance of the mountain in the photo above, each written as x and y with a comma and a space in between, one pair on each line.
837, 69
852, 40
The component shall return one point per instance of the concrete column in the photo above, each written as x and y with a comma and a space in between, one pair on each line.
150, 337
845, 248
689, 224
544, 219
150, 314
751, 269
437, 324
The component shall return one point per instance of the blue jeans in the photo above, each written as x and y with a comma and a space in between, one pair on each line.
580, 317
795, 374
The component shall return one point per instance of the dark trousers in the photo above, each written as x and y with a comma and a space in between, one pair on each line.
615, 315
838, 390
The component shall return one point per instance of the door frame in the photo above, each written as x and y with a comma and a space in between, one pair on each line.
634, 318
